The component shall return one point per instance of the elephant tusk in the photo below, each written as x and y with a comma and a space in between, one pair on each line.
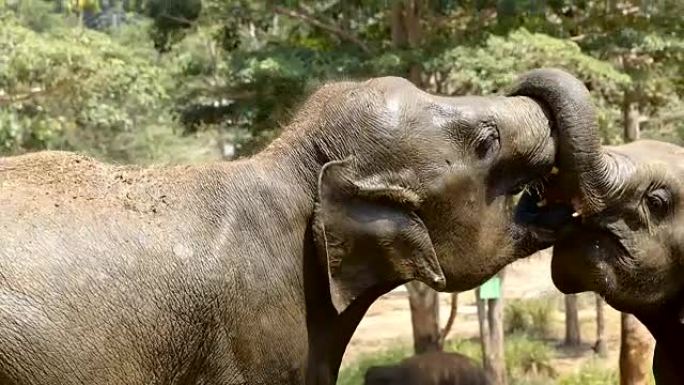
554, 170
541, 203
577, 206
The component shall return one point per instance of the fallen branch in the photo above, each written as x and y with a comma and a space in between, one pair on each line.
6, 99
450, 321
181, 20
344, 35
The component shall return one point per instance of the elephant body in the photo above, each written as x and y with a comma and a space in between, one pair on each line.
434, 368
78, 298
258, 271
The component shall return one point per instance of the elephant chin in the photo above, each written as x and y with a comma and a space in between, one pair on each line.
565, 282
579, 262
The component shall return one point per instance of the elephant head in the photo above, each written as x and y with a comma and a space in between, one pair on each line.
412, 185
631, 251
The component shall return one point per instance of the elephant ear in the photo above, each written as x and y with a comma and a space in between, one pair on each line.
370, 234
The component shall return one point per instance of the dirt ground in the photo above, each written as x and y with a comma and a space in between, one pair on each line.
388, 320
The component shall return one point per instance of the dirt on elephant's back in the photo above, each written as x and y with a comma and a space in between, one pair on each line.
52, 179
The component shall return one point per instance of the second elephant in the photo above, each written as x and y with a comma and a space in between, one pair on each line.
632, 251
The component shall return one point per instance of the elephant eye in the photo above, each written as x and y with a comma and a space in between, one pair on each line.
658, 202
488, 143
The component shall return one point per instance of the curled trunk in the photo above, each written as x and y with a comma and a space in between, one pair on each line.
580, 160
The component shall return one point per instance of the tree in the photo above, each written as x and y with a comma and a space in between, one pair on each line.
262, 57
600, 346
424, 305
636, 351
407, 31
572, 326
490, 320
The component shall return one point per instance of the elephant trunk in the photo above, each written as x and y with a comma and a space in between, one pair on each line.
582, 164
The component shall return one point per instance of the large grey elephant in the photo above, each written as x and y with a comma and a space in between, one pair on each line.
631, 250
258, 271
433, 368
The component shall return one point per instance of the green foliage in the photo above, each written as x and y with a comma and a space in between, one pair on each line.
491, 67
526, 356
534, 380
171, 17
467, 347
38, 15
353, 375
591, 373
532, 317
78, 89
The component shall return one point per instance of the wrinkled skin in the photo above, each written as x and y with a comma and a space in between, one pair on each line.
632, 251
258, 271
436, 368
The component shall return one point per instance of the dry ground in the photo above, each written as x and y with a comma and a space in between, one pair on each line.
388, 320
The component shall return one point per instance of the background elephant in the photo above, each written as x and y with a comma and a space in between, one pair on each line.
258, 271
632, 251
434, 368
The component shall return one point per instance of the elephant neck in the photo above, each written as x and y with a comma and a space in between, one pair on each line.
328, 331
306, 146
668, 331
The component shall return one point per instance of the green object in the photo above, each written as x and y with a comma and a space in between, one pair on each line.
491, 289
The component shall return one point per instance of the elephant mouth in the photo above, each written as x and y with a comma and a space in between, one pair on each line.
542, 216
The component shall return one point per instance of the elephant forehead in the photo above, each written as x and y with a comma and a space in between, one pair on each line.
393, 84
406, 113
653, 152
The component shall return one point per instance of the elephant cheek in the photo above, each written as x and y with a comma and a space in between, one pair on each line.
471, 250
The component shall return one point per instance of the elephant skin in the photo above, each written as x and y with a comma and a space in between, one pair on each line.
258, 271
434, 368
632, 251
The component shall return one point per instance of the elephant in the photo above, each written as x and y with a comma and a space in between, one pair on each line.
258, 270
433, 368
631, 250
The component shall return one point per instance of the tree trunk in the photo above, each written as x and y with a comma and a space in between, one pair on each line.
485, 342
424, 303
600, 346
630, 114
490, 319
398, 30
497, 336
572, 326
636, 352
414, 34
407, 32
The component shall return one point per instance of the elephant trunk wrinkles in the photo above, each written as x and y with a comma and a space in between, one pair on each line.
579, 157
